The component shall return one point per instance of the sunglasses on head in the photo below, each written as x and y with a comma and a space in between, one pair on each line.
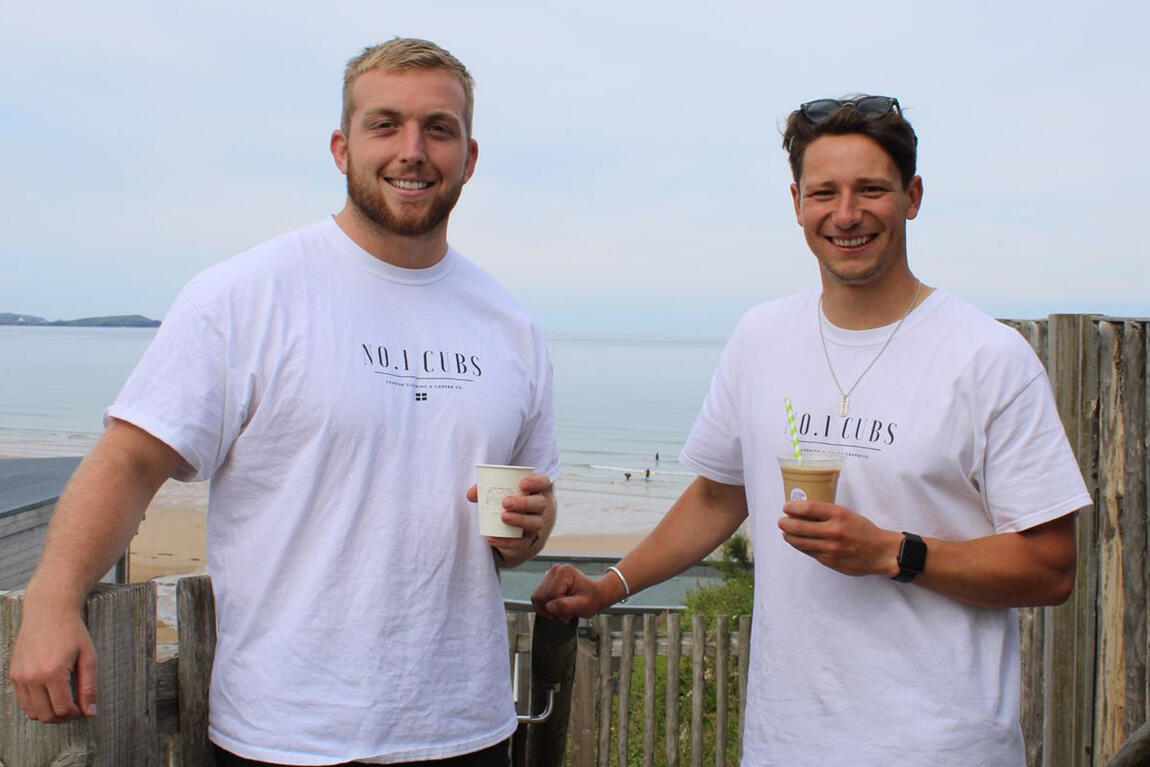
870, 107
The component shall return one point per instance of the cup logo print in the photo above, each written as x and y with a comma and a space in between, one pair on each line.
495, 496
797, 494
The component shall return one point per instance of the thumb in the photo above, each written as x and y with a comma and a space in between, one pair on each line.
86, 680
472, 494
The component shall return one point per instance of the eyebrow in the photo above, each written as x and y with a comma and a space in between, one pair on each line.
442, 115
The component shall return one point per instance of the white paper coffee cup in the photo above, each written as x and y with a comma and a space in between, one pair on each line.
494, 483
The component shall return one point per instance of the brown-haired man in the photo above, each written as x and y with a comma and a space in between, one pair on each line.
338, 385
872, 646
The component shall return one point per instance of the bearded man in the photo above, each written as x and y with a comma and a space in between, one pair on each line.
337, 385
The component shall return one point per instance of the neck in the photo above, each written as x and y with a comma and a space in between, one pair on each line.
861, 307
407, 252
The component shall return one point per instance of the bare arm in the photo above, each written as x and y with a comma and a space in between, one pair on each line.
1032, 567
94, 521
704, 516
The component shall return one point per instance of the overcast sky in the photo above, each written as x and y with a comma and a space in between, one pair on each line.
630, 174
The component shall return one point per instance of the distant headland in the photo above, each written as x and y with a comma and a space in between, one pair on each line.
118, 321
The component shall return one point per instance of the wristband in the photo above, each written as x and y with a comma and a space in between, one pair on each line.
626, 586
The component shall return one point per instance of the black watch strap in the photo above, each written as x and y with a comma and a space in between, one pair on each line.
911, 557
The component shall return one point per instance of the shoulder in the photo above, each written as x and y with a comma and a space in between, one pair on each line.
777, 317
259, 269
478, 290
991, 355
968, 327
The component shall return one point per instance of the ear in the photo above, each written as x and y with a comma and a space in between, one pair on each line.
914, 192
339, 150
472, 158
798, 203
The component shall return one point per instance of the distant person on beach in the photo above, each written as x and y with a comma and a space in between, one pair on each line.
871, 645
338, 386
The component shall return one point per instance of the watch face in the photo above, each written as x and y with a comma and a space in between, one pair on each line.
912, 553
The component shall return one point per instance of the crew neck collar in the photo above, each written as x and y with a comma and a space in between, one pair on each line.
349, 249
869, 336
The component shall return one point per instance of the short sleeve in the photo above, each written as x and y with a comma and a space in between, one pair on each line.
1030, 474
713, 448
536, 445
177, 391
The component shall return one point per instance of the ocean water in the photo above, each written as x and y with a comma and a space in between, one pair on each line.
619, 401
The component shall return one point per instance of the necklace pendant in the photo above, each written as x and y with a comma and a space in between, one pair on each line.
843, 409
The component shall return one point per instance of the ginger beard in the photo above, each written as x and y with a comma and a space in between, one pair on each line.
365, 194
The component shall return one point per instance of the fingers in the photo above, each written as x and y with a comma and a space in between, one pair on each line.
46, 697
813, 510
535, 484
86, 680
558, 582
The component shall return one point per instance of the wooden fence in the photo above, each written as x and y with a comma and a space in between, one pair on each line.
1086, 684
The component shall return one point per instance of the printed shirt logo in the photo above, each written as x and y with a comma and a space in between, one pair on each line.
859, 437
422, 370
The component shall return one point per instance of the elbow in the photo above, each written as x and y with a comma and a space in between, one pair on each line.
1061, 582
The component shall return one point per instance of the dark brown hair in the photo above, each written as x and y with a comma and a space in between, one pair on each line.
892, 132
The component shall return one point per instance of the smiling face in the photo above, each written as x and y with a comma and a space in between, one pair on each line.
406, 152
853, 209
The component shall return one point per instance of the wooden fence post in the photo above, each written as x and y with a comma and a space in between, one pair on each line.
553, 662
583, 707
1121, 677
722, 652
1069, 640
674, 652
196, 611
122, 623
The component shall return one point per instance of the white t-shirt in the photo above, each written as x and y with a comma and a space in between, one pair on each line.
952, 434
339, 405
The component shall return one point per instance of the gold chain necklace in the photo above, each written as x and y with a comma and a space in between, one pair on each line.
846, 394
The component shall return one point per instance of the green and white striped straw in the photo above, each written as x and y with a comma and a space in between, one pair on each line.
794, 429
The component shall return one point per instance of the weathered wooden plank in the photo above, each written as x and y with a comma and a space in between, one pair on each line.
649, 690
23, 741
1110, 692
603, 627
167, 698
583, 707
698, 666
744, 669
122, 623
1133, 524
722, 652
626, 664
196, 615
674, 649
1069, 640
1031, 627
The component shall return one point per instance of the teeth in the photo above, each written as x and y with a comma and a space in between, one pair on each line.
852, 243
412, 185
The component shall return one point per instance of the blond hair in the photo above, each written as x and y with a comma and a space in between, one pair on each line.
402, 54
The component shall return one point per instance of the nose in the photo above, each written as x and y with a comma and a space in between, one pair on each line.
413, 144
847, 211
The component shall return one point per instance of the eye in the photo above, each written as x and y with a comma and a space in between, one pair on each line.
440, 130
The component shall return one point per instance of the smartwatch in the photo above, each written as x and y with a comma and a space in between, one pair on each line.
911, 557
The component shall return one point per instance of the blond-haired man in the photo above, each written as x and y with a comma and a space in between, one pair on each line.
337, 385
